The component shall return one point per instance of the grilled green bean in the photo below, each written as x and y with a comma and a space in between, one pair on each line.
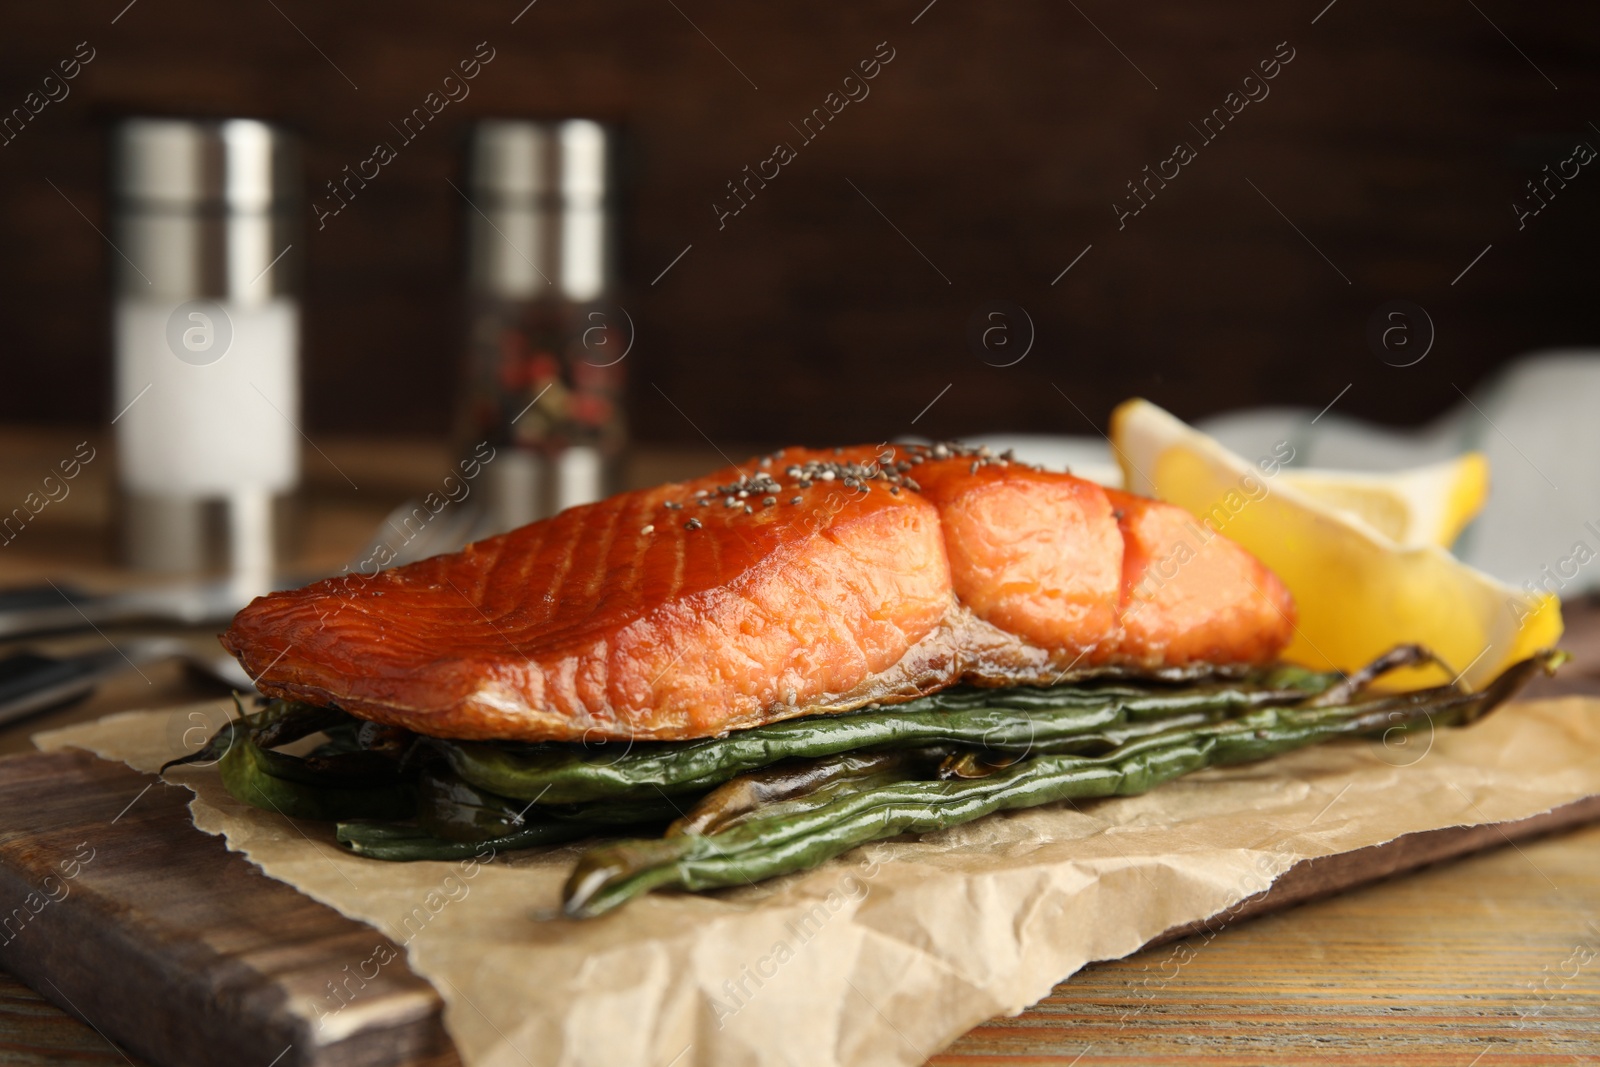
454, 810
359, 785
278, 722
802, 832
1026, 719
454, 821
792, 778
340, 785
403, 842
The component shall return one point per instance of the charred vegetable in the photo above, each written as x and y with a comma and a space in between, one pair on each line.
802, 831
344, 785
789, 795
1069, 718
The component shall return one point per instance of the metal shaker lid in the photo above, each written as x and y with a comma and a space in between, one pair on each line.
566, 162
204, 207
543, 197
235, 165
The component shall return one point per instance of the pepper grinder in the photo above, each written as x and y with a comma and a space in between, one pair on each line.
546, 338
207, 349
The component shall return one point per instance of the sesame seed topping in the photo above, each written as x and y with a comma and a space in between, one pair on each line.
978, 456
648, 529
775, 482
692, 524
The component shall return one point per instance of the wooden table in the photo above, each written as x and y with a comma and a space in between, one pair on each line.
1493, 960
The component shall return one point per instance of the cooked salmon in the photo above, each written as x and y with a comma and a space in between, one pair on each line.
804, 582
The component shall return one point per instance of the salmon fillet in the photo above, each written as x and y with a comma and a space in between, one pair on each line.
806, 581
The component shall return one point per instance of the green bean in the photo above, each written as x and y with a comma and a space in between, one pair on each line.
451, 809
278, 722
1397, 657
359, 774
802, 832
346, 784
1024, 719
399, 842
354, 786
490, 822
789, 779
283, 721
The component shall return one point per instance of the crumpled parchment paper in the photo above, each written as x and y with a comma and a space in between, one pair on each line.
888, 953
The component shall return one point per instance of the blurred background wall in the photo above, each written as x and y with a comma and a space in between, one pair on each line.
1388, 154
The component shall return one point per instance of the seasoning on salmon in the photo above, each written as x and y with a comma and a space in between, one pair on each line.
804, 582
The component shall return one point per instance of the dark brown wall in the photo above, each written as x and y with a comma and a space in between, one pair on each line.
997, 140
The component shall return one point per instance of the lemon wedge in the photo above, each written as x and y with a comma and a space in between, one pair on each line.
1423, 506
1359, 590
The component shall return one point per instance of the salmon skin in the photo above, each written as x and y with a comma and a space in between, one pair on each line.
804, 582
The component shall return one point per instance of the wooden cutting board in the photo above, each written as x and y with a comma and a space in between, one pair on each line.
187, 954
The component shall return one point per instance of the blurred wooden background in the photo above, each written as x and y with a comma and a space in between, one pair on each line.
995, 142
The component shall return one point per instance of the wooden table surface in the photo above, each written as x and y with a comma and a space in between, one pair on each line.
1492, 960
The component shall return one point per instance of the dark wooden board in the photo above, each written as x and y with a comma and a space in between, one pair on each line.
186, 954
175, 947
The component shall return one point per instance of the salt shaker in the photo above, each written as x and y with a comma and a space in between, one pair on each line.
207, 343
547, 339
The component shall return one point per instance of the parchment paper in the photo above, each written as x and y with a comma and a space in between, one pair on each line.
890, 952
